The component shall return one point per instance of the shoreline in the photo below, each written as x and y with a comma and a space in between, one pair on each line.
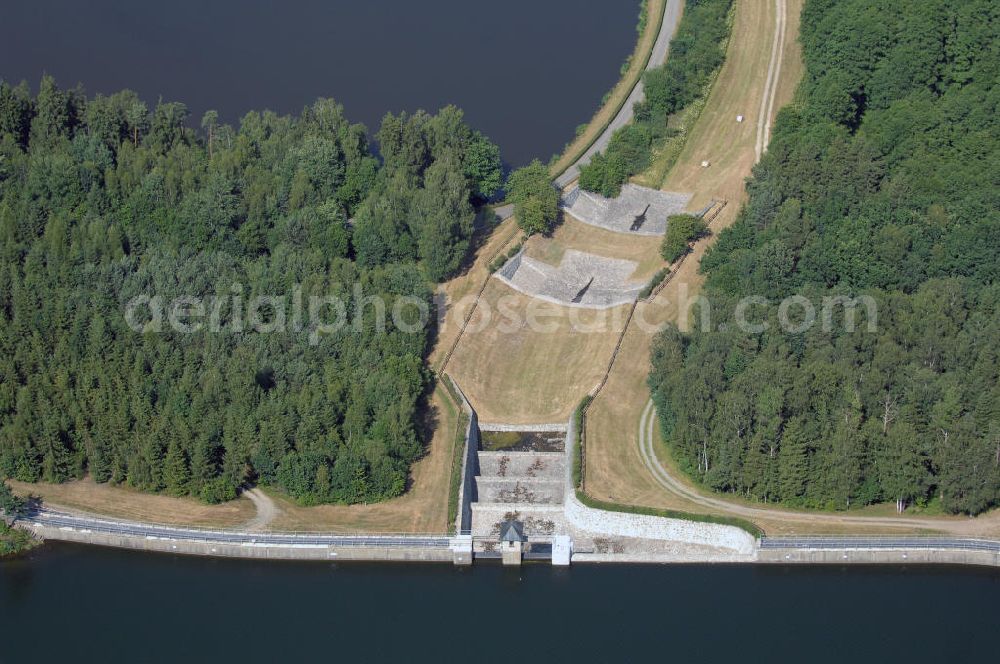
638, 538
914, 550
571, 153
658, 54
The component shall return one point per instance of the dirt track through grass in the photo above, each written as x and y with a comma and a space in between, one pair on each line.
766, 115
784, 521
615, 470
266, 510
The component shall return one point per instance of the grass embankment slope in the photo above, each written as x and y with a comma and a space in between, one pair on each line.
530, 374
615, 471
119, 502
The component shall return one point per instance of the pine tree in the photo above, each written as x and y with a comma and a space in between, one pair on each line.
793, 461
177, 473
10, 505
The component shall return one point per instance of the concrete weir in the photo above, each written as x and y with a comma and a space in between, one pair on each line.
522, 486
636, 211
580, 280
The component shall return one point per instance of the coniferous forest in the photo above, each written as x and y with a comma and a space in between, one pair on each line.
103, 200
882, 179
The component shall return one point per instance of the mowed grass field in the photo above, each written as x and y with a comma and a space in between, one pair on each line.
518, 372
615, 471
121, 502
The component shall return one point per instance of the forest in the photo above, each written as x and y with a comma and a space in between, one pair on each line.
103, 200
882, 180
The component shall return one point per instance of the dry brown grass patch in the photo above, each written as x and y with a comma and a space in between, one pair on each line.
644, 250
514, 374
129, 504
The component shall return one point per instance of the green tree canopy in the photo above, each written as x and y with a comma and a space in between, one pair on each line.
879, 182
682, 230
535, 199
102, 202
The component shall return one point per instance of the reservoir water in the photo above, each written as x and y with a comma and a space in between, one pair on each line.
74, 603
525, 72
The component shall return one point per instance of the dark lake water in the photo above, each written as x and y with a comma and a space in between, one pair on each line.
526, 72
73, 603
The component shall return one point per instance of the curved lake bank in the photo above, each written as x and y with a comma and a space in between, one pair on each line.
526, 73
112, 605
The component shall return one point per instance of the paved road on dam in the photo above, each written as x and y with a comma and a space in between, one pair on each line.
869, 543
83, 523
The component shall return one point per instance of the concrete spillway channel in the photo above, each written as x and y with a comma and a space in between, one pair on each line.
520, 479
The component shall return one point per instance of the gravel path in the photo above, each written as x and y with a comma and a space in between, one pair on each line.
722, 506
266, 510
771, 85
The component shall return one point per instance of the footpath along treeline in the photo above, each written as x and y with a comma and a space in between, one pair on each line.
103, 200
880, 181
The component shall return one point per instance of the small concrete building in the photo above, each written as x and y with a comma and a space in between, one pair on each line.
511, 542
562, 550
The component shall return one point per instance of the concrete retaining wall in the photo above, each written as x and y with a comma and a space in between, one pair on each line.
620, 524
510, 268
536, 491
522, 464
618, 214
260, 551
878, 557
535, 428
470, 466
580, 280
